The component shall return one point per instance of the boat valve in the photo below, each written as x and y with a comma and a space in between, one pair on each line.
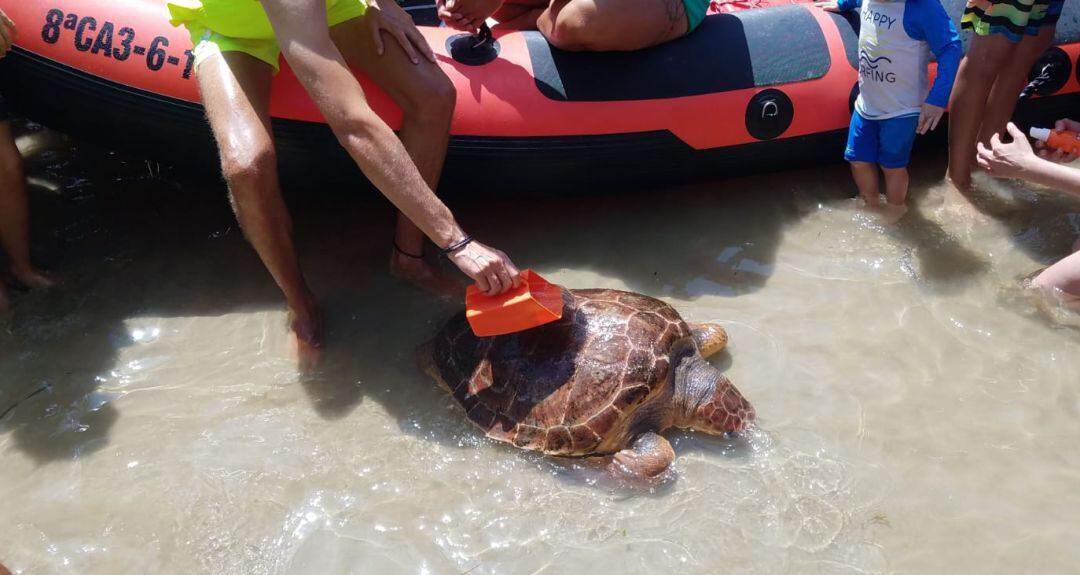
769, 114
473, 49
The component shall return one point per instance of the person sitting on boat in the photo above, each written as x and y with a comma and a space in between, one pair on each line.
894, 103
1017, 159
237, 47
583, 25
14, 212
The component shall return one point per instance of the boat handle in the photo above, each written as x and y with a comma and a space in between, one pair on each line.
769, 109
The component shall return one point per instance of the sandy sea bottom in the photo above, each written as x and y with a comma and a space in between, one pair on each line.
917, 410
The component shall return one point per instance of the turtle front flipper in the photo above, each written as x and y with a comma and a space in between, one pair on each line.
647, 459
709, 337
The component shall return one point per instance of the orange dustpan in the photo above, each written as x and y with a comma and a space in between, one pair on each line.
534, 303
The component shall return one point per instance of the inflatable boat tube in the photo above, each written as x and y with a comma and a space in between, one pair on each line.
750, 90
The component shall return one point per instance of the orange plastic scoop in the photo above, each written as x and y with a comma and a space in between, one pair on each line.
534, 303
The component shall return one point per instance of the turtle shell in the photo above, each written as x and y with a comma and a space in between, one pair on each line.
571, 387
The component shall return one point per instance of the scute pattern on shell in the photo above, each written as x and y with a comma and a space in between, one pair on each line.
564, 387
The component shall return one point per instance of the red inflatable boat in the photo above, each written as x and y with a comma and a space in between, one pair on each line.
750, 89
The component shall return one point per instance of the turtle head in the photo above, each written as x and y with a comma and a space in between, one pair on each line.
722, 410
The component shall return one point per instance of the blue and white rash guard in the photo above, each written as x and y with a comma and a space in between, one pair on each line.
895, 42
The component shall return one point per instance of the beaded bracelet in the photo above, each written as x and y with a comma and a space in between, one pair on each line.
456, 246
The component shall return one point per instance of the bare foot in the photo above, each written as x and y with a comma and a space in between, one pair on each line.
468, 14
961, 184
305, 323
32, 278
307, 357
958, 203
891, 213
423, 275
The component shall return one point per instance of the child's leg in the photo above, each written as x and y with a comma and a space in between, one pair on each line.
896, 185
862, 152
1010, 81
14, 214
897, 138
978, 71
866, 179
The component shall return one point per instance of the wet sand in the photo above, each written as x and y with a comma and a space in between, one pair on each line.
917, 412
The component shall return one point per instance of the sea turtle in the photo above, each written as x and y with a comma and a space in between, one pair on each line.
606, 379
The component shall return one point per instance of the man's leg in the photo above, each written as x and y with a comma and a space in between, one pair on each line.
603, 25
427, 98
1011, 79
15, 214
235, 89
520, 14
985, 59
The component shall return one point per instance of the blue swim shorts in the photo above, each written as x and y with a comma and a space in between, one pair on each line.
883, 142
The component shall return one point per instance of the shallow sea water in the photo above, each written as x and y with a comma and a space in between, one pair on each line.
917, 411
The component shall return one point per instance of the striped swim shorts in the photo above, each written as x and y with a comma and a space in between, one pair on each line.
1013, 18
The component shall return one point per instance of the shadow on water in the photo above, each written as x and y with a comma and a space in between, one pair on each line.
130, 245
684, 243
943, 263
1043, 223
123, 244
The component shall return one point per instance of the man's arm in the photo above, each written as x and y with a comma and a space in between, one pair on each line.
301, 30
1016, 159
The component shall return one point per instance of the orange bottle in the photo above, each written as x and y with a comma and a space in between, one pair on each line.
1064, 140
534, 303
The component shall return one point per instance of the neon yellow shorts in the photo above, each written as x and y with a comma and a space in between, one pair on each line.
242, 26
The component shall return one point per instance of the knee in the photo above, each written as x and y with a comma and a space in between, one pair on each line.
433, 103
574, 27
248, 170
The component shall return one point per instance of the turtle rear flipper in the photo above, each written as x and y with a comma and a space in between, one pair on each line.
709, 337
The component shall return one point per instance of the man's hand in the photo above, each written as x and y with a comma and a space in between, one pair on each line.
1012, 160
929, 118
7, 34
829, 6
387, 15
490, 268
1053, 154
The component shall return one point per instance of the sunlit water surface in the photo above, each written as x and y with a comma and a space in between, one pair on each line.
918, 411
